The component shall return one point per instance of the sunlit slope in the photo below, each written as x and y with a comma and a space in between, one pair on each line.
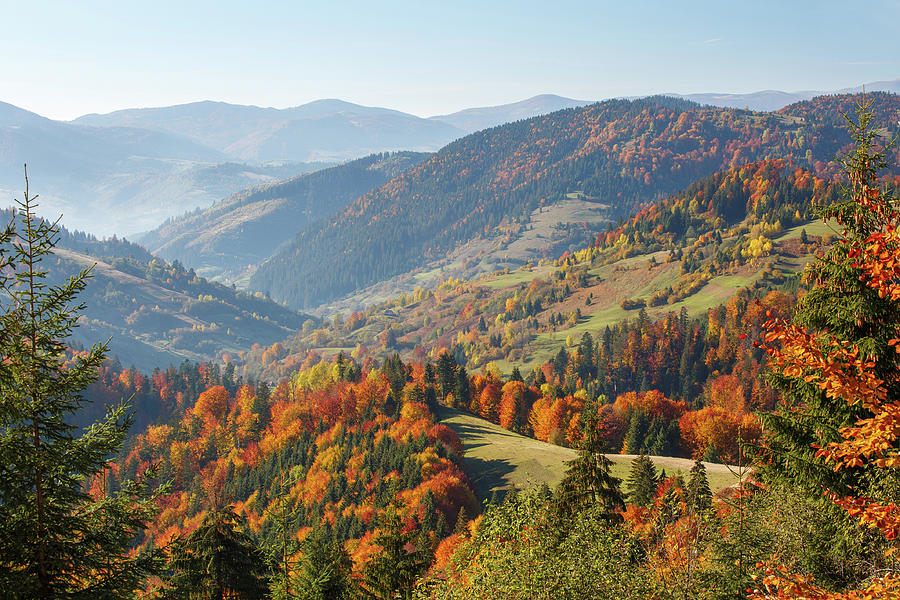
499, 460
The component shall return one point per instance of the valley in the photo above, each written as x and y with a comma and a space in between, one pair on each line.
589, 350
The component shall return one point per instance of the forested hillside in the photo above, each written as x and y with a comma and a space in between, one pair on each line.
619, 153
743, 227
336, 444
244, 229
158, 313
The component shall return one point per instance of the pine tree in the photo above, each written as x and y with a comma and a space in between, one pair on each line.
698, 495
217, 560
393, 572
56, 540
642, 481
588, 482
324, 570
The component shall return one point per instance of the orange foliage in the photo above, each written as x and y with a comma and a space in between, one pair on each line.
652, 402
716, 428
212, 405
445, 550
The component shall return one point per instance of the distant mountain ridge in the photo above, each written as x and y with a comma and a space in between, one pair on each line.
474, 119
772, 100
117, 180
321, 130
161, 162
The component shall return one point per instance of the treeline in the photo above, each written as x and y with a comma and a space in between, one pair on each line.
671, 387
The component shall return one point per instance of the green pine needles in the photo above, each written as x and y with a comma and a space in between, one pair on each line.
839, 307
57, 540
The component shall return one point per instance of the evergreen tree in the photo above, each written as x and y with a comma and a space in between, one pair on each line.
840, 311
642, 481
461, 393
56, 540
462, 520
446, 374
637, 429
841, 308
698, 495
217, 560
393, 572
588, 482
324, 570
261, 405
282, 543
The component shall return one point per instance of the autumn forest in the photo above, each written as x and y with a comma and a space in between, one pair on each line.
632, 349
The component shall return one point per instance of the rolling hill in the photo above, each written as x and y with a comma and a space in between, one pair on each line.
486, 190
742, 227
499, 460
239, 232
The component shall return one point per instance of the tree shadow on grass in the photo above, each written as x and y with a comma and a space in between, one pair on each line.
489, 476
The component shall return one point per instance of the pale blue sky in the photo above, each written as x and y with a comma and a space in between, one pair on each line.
64, 59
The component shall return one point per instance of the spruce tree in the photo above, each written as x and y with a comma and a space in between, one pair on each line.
217, 560
56, 540
393, 572
698, 495
840, 308
642, 481
840, 315
324, 570
588, 482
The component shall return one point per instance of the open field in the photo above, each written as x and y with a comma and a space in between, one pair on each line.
499, 460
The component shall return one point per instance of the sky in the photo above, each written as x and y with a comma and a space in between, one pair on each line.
64, 59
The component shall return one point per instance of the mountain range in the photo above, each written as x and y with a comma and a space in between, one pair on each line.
329, 130
163, 162
477, 205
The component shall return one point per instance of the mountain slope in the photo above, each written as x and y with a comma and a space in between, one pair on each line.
246, 228
740, 227
157, 313
499, 460
488, 185
474, 119
320, 130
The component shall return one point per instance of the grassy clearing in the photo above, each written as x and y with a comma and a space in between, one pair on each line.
499, 460
817, 227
